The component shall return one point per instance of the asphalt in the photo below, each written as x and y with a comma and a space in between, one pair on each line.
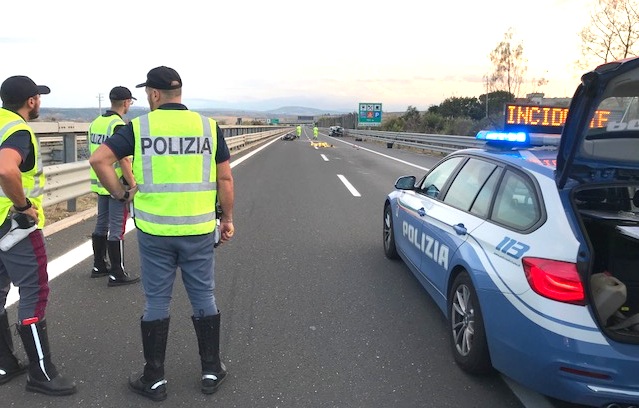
313, 314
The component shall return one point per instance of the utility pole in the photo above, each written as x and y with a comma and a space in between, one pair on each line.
486, 77
100, 103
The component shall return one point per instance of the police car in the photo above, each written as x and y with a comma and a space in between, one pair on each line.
530, 244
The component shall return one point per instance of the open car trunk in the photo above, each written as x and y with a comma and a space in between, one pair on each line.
611, 219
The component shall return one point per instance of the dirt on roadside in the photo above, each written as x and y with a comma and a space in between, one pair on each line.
59, 211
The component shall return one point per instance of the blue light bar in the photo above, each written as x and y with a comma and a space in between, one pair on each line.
520, 138
545, 139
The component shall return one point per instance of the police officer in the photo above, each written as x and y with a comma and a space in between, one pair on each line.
112, 213
25, 263
181, 165
299, 131
315, 132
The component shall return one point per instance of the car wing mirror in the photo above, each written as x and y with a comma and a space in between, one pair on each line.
405, 183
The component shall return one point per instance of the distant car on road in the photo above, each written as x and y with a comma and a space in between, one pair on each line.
336, 131
532, 251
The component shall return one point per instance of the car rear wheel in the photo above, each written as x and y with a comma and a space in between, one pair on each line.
389, 237
468, 335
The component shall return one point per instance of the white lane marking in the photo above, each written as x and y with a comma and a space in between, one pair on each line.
527, 397
324, 157
241, 159
78, 254
349, 186
65, 262
382, 154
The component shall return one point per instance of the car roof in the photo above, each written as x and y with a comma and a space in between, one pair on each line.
539, 159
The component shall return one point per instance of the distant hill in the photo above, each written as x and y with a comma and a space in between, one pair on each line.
88, 114
68, 114
302, 111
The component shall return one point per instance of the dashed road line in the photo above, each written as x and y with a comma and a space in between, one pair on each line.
349, 186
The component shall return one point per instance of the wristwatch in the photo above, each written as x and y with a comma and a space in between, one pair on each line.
25, 208
125, 196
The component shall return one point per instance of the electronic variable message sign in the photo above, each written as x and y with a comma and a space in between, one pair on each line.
545, 119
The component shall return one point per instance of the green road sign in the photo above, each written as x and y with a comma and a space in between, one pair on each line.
273, 121
370, 114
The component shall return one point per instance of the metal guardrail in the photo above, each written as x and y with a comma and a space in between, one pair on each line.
53, 137
438, 143
68, 181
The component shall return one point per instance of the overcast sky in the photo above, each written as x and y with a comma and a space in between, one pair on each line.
267, 54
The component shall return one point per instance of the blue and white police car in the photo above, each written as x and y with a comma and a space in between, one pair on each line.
532, 251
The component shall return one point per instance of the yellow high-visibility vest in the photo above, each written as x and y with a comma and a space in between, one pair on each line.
33, 179
175, 170
100, 130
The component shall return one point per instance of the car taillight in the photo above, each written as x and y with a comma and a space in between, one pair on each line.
555, 280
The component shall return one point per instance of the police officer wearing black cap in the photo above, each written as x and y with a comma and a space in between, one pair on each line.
24, 261
108, 235
181, 166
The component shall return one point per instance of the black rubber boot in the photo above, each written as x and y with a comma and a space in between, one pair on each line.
43, 376
207, 329
10, 366
99, 256
117, 275
151, 383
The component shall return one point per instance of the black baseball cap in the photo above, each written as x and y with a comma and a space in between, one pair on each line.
19, 88
120, 93
162, 78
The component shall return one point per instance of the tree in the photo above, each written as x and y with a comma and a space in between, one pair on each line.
393, 125
433, 122
411, 119
456, 107
496, 102
612, 34
509, 64
461, 127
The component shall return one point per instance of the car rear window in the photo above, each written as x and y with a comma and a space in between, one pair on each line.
613, 133
516, 205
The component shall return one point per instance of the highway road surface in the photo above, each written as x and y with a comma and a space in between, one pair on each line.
313, 314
